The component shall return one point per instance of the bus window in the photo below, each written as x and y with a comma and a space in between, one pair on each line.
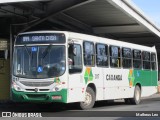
146, 60
137, 59
153, 61
88, 53
126, 57
102, 55
39, 61
115, 56
75, 58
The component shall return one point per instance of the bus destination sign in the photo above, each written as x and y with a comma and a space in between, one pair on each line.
39, 38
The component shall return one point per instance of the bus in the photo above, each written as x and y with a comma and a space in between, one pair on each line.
68, 67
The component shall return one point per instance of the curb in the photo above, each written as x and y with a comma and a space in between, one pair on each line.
157, 95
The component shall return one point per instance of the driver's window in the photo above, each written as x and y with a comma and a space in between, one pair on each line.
74, 58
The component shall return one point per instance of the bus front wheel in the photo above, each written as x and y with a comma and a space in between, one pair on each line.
89, 99
137, 96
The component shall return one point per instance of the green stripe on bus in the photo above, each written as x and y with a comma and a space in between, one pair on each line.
144, 77
38, 96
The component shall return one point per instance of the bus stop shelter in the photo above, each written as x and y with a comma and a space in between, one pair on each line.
116, 19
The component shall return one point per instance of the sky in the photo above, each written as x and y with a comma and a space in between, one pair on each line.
151, 8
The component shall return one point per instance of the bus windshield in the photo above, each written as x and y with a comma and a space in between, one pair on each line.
44, 61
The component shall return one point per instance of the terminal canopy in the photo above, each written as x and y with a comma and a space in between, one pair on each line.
116, 19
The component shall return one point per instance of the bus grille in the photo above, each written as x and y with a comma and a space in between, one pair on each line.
37, 84
34, 96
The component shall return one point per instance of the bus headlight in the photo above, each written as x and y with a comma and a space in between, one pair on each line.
14, 79
16, 87
57, 88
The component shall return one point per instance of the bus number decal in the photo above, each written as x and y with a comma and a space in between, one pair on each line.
96, 76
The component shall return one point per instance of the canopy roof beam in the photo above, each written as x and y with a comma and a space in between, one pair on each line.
119, 29
56, 12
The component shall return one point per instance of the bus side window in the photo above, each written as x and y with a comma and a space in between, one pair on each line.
115, 60
137, 63
75, 58
146, 60
102, 55
88, 51
153, 61
126, 58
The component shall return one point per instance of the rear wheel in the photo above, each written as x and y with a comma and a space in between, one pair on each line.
137, 96
89, 99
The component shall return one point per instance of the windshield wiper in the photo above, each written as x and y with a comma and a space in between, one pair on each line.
27, 50
46, 51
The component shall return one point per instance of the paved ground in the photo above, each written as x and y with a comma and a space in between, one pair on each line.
115, 110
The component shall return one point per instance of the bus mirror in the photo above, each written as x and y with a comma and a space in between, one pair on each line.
72, 50
6, 54
75, 51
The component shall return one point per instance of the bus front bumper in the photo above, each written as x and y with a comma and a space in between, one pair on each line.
58, 96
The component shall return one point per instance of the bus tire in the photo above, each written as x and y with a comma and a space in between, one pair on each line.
90, 98
137, 96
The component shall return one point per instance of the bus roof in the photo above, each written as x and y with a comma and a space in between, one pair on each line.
92, 38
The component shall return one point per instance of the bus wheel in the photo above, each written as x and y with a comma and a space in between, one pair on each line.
89, 99
137, 96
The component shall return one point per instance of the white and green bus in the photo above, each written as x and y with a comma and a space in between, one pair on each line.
61, 66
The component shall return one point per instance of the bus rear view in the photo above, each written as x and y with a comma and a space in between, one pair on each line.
39, 65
